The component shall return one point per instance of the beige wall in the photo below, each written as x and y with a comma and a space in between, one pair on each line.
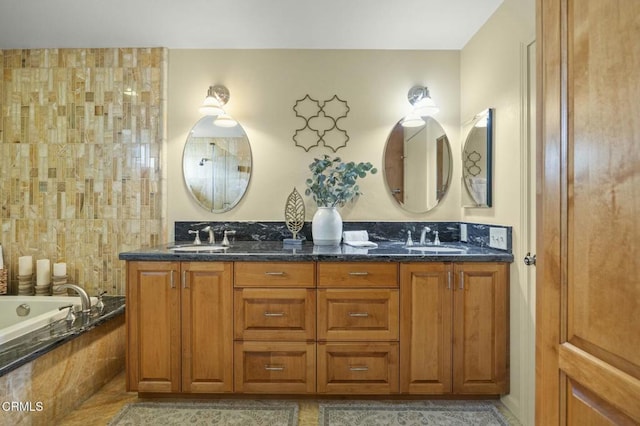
265, 85
491, 70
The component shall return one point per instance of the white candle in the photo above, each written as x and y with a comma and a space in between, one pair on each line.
25, 265
43, 272
59, 269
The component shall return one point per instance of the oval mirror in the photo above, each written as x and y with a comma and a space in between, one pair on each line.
476, 161
417, 165
216, 164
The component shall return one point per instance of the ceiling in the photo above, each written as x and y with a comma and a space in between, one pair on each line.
243, 24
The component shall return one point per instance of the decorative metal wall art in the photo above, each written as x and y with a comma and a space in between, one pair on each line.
471, 163
321, 123
294, 212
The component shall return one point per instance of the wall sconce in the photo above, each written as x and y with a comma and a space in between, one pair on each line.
423, 106
224, 120
217, 97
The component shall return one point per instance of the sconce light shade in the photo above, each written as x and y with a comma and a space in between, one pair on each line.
412, 120
217, 97
421, 100
225, 120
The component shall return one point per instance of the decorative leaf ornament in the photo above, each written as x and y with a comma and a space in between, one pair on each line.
294, 212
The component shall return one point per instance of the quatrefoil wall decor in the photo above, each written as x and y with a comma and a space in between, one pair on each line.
321, 123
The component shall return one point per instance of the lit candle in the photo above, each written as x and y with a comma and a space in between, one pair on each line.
43, 272
59, 269
25, 265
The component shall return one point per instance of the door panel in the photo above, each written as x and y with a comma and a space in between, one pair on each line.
207, 359
589, 290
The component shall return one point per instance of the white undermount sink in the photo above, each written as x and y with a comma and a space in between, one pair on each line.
204, 248
435, 249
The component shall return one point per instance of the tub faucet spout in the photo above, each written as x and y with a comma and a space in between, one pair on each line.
84, 297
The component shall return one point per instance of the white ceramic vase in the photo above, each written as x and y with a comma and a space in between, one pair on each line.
326, 227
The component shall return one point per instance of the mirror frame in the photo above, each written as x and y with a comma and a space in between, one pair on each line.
488, 163
189, 187
441, 193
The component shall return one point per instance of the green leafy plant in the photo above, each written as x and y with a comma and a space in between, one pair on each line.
333, 182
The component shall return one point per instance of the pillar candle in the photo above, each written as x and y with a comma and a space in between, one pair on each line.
25, 265
59, 269
43, 272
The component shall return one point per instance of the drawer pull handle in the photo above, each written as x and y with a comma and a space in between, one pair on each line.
359, 314
269, 367
273, 314
359, 274
358, 368
274, 273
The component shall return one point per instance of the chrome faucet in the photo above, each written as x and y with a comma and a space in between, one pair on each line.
212, 237
84, 297
423, 235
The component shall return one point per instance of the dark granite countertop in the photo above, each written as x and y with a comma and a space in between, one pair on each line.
24, 349
276, 251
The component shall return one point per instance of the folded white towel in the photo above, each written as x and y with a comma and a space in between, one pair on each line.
368, 244
357, 239
355, 236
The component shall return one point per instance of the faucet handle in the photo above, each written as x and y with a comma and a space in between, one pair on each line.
197, 239
100, 304
70, 315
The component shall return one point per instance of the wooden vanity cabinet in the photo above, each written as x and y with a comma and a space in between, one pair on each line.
342, 328
454, 328
179, 327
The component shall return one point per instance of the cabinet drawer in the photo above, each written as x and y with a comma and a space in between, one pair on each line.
275, 274
357, 274
279, 367
275, 314
358, 314
358, 368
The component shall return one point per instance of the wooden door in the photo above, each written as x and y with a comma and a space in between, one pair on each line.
480, 328
588, 286
207, 327
394, 163
425, 327
153, 327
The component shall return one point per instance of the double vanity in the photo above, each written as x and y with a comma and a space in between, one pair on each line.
262, 318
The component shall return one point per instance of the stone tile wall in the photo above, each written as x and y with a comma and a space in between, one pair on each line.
81, 134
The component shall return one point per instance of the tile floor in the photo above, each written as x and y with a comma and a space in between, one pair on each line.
107, 402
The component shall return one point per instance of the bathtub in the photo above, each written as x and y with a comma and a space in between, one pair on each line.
43, 310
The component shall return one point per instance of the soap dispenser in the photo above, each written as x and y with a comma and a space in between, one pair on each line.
436, 239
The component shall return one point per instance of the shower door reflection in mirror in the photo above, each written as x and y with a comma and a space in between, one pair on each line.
216, 164
417, 165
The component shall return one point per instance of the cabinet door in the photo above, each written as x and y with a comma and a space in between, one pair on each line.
153, 327
480, 328
425, 328
207, 327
